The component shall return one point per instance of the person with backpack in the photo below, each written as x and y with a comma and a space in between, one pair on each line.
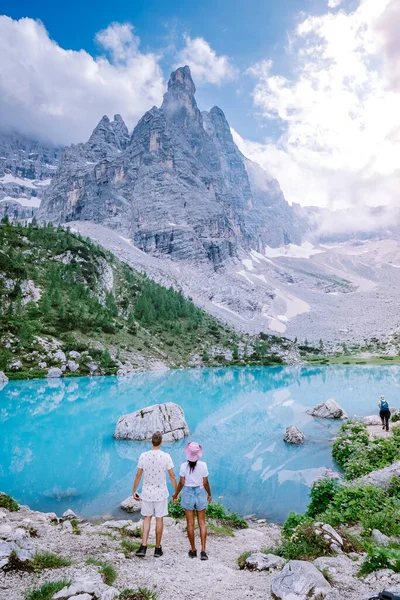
384, 412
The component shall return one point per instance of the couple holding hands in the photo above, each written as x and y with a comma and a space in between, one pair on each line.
196, 495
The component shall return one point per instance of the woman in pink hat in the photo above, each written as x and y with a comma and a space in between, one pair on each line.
195, 496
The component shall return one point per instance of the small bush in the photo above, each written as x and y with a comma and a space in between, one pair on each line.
387, 521
175, 510
241, 561
322, 493
304, 544
136, 533
48, 560
8, 503
395, 417
293, 520
75, 526
107, 570
215, 510
139, 594
393, 488
352, 503
381, 558
47, 590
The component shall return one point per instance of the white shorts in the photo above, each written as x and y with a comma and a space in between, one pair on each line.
159, 509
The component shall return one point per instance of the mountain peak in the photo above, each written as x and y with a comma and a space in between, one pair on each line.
181, 80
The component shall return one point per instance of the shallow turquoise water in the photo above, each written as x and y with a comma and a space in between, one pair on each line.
57, 449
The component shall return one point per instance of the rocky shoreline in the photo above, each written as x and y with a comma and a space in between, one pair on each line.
85, 547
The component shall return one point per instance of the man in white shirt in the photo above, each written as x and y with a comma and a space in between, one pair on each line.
154, 464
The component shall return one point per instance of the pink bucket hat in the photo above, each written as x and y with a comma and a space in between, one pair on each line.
193, 451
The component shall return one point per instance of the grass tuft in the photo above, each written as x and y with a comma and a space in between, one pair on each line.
9, 503
47, 590
48, 560
108, 572
139, 594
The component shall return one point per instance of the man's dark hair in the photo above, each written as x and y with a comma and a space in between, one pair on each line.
156, 438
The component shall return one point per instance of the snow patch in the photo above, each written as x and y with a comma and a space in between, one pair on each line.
32, 202
306, 250
248, 263
8, 178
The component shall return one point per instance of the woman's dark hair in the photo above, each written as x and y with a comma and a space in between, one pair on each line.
192, 465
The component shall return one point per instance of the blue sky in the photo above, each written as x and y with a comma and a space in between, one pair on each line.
245, 30
311, 88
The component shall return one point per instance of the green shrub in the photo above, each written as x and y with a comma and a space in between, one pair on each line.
139, 594
175, 510
393, 488
241, 561
9, 503
322, 493
215, 510
304, 544
48, 560
107, 570
220, 530
75, 526
293, 520
352, 503
395, 417
358, 455
47, 590
386, 520
381, 558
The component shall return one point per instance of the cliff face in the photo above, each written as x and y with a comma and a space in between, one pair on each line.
178, 187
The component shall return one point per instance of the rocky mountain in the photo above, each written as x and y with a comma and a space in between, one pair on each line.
26, 169
178, 186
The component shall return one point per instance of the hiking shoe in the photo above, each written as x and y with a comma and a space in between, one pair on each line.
142, 551
158, 552
192, 553
203, 555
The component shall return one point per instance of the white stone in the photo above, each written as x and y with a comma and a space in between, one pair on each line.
30, 293
332, 533
299, 580
330, 409
91, 585
3, 377
264, 562
380, 538
5, 531
372, 420
82, 596
60, 356
74, 354
67, 526
167, 418
69, 513
92, 366
42, 365
116, 524
293, 435
130, 505
381, 477
54, 372
72, 366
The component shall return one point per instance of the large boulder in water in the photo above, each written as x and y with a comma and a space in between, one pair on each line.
328, 410
167, 418
299, 580
293, 435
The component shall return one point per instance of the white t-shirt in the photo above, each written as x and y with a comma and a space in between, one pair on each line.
155, 464
194, 478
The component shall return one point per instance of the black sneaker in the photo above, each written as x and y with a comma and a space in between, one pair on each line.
142, 551
192, 553
158, 552
203, 555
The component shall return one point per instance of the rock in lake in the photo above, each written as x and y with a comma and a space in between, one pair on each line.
168, 418
328, 410
3, 377
54, 372
293, 435
299, 580
130, 505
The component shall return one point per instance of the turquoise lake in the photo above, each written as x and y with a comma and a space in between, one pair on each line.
57, 449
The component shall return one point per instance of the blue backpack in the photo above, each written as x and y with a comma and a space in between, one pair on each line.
384, 405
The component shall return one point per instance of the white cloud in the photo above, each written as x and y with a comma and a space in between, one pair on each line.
334, 3
339, 112
61, 94
206, 66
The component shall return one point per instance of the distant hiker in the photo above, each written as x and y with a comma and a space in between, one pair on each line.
384, 413
154, 464
196, 495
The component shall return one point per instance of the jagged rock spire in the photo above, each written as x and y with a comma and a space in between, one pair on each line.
120, 130
179, 101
